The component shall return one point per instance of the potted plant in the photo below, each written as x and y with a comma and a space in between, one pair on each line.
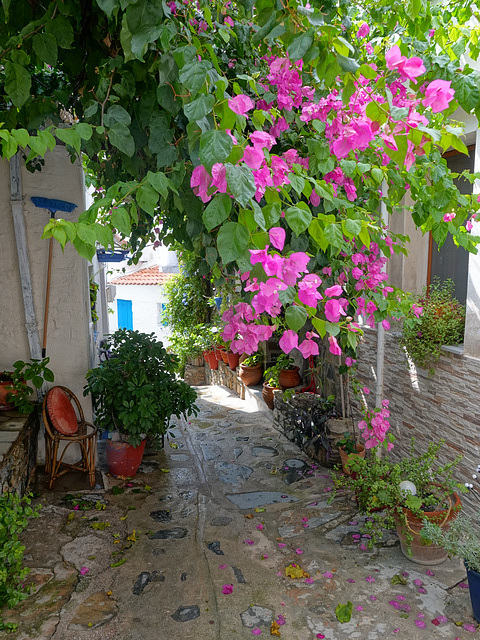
402, 494
270, 384
441, 322
288, 375
15, 389
461, 539
251, 369
135, 393
349, 448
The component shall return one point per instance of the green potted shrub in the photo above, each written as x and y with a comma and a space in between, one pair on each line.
135, 393
271, 382
251, 369
461, 539
348, 448
402, 494
288, 372
15, 386
441, 322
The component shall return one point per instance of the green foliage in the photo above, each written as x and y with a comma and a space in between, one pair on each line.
14, 515
254, 360
376, 485
442, 322
459, 539
34, 373
136, 391
347, 443
271, 375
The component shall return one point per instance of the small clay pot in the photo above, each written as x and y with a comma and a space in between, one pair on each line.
346, 457
233, 359
268, 395
289, 378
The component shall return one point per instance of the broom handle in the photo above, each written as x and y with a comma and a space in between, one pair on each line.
47, 297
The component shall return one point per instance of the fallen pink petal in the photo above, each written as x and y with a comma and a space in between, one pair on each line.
84, 571
429, 572
308, 580
328, 574
256, 632
422, 590
420, 624
363, 547
259, 527
320, 635
281, 545
469, 627
463, 585
369, 579
442, 619
351, 580
249, 542
222, 566
227, 589
281, 620
359, 608
417, 583
298, 552
373, 598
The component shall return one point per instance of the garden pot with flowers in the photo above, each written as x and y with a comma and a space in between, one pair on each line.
270, 385
408, 492
348, 449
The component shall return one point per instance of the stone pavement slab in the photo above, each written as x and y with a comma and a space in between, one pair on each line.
198, 546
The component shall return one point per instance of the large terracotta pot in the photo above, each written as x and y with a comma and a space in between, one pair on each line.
123, 459
289, 378
267, 395
421, 553
224, 356
250, 376
218, 354
233, 359
346, 457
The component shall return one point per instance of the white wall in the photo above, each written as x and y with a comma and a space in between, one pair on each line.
145, 299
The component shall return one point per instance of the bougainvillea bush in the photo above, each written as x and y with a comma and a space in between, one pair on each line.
273, 139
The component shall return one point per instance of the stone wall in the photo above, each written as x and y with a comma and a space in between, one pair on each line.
226, 377
18, 451
444, 406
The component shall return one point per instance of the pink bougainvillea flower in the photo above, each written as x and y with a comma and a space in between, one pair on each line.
281, 620
350, 362
463, 585
308, 348
227, 589
256, 632
334, 347
262, 139
400, 598
253, 158
352, 523
277, 237
422, 590
229, 21
281, 545
417, 583
448, 217
438, 95
84, 571
420, 615
328, 574
442, 619
366, 391
308, 580
336, 290
359, 608
429, 572
469, 627
259, 527
369, 579
420, 624
219, 177
299, 551
320, 635
408, 68
222, 566
468, 225
308, 290
288, 341
76, 507
249, 542
363, 31
373, 598
396, 630
200, 181
241, 104
333, 310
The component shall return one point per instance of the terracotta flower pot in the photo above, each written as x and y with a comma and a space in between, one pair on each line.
268, 396
346, 457
224, 356
250, 376
218, 354
233, 359
289, 378
211, 359
421, 553
123, 459
5, 389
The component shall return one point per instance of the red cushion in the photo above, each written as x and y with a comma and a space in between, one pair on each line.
61, 412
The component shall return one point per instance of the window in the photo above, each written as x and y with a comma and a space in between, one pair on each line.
452, 261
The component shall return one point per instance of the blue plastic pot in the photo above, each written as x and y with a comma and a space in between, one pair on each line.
474, 585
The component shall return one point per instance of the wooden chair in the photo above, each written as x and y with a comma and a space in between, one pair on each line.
65, 423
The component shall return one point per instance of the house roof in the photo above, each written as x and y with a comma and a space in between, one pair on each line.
150, 275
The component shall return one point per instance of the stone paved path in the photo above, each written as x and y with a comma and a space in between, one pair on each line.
228, 508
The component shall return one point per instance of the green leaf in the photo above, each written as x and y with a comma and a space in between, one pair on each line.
298, 219
351, 228
402, 148
84, 130
147, 198
61, 28
159, 182
215, 146
115, 114
350, 65
17, 83
21, 136
120, 136
194, 75
85, 250
398, 579
466, 92
45, 46
217, 211
241, 183
320, 326
232, 240
344, 612
271, 213
300, 45
295, 317
258, 216
333, 233
121, 221
71, 137
200, 107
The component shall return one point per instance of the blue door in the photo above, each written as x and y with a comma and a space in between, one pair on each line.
125, 315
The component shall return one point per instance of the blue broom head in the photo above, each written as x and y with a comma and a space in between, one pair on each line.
53, 205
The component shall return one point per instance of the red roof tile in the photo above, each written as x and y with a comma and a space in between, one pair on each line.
150, 275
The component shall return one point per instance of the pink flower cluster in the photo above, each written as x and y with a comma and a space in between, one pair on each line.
375, 426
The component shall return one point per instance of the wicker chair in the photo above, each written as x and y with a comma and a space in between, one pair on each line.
65, 423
